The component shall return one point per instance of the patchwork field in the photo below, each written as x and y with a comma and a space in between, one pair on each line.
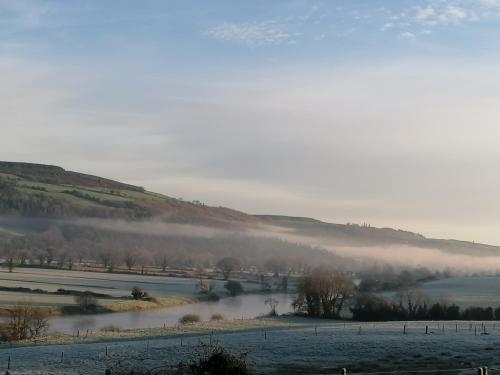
306, 346
116, 285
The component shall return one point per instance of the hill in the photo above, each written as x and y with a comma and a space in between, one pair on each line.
36, 190
50, 193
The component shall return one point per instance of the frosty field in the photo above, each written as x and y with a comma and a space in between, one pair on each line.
296, 349
116, 285
466, 291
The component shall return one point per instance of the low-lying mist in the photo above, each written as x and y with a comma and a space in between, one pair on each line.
244, 241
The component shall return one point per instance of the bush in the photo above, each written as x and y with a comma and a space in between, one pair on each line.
234, 288
215, 360
138, 293
216, 317
189, 319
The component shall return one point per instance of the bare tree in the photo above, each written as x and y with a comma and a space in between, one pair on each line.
130, 259
228, 265
324, 292
273, 304
25, 322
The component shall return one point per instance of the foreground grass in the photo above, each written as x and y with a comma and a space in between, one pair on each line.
180, 330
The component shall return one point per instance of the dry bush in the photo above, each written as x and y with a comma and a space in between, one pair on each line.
216, 317
189, 319
25, 322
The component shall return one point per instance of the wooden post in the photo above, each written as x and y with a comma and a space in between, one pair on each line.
8, 363
475, 331
480, 371
316, 330
443, 328
456, 327
404, 329
181, 340
485, 370
426, 330
62, 357
343, 371
106, 350
265, 335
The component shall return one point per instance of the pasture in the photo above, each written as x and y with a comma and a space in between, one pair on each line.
305, 346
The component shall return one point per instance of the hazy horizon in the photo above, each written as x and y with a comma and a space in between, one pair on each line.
382, 112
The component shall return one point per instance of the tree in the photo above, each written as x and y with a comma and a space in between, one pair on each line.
412, 300
228, 265
324, 292
130, 259
233, 287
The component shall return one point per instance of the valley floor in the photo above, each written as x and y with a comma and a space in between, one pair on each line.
280, 346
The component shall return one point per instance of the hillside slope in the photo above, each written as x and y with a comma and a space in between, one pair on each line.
43, 191
36, 190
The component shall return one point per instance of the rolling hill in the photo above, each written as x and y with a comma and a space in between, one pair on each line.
50, 192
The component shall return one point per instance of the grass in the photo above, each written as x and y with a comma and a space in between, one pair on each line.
137, 305
200, 328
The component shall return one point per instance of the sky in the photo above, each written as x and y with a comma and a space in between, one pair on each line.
384, 112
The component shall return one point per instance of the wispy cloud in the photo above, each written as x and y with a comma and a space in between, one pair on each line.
435, 14
261, 33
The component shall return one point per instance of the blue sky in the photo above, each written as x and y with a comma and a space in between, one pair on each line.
349, 111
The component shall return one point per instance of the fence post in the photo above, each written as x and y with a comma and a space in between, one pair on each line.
404, 329
8, 363
62, 357
316, 330
426, 330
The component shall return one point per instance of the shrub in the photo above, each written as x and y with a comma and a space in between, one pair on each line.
189, 319
233, 287
215, 360
138, 293
216, 317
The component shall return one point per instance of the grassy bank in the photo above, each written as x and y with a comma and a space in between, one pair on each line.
139, 305
180, 330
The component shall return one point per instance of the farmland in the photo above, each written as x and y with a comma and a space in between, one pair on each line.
283, 346
168, 290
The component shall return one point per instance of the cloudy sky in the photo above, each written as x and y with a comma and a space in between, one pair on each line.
386, 112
